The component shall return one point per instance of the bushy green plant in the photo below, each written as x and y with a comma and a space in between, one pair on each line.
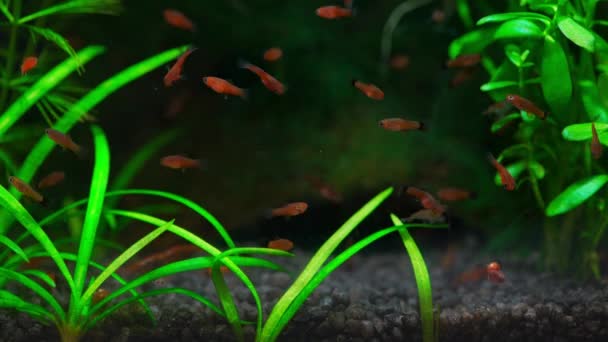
550, 52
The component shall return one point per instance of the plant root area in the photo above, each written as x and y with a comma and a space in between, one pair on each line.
373, 297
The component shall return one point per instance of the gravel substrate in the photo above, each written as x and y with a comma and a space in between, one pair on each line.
374, 298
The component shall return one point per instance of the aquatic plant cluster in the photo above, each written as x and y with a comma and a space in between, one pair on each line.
62, 106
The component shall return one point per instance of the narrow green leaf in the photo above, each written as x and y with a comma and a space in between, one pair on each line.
582, 132
500, 17
518, 28
471, 42
41, 275
497, 85
58, 40
5, 240
110, 7
465, 13
4, 9
575, 195
577, 33
10, 301
596, 111
502, 122
555, 75
223, 293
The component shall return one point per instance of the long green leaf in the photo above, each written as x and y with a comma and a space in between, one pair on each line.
223, 293
318, 260
555, 76
497, 85
47, 82
56, 39
577, 33
40, 275
5, 240
76, 7
99, 182
502, 122
423, 281
582, 132
575, 195
44, 146
500, 17
10, 301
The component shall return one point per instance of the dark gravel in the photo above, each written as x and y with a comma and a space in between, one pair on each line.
372, 299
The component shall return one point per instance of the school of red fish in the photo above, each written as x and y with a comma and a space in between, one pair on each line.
432, 210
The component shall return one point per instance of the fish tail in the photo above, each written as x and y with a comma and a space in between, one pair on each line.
491, 158
354, 82
473, 195
267, 214
245, 94
421, 126
201, 164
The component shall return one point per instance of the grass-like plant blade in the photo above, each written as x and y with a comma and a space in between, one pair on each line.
174, 290
423, 282
99, 182
16, 210
223, 293
8, 162
318, 260
40, 275
576, 194
56, 39
45, 145
10, 301
4, 9
5, 240
195, 240
124, 257
47, 82
76, 7
147, 192
39, 290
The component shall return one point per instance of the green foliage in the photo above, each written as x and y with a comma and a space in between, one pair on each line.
553, 57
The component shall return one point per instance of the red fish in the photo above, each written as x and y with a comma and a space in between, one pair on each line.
273, 54
99, 295
401, 125
370, 90
494, 273
462, 76
426, 199
28, 64
26, 189
334, 12
505, 177
164, 256
224, 87
281, 244
269, 82
65, 141
464, 61
400, 62
51, 179
498, 108
526, 105
181, 162
426, 216
288, 210
177, 19
596, 146
175, 73
455, 194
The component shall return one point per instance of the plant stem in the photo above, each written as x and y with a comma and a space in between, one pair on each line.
10, 58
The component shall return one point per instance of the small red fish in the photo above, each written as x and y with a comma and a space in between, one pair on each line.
26, 189
175, 73
164, 256
181, 162
464, 61
281, 244
462, 76
505, 177
224, 87
273, 54
426, 199
99, 295
65, 141
455, 194
498, 108
334, 12
401, 125
269, 82
596, 146
526, 105
426, 216
177, 19
51, 179
370, 90
472, 275
400, 62
28, 64
494, 273
288, 210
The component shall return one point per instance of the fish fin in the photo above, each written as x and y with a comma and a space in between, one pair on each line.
422, 126
491, 158
353, 81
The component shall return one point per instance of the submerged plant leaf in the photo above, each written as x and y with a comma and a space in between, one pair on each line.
58, 40
555, 75
499, 17
472, 42
518, 167
502, 122
76, 7
577, 33
592, 102
575, 194
518, 28
5, 240
497, 85
582, 131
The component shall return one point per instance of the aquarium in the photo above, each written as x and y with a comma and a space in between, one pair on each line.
264, 170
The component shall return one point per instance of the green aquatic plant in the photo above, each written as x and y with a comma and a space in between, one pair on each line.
549, 52
82, 312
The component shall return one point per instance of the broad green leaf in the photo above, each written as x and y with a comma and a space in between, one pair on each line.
591, 101
517, 168
76, 7
555, 76
582, 132
472, 42
575, 195
496, 18
497, 85
499, 124
577, 33
58, 40
518, 28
